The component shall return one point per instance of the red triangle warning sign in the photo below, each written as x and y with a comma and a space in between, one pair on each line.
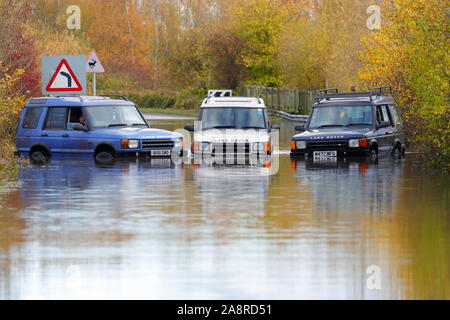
64, 79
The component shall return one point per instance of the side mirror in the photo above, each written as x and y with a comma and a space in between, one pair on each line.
275, 127
189, 128
300, 128
79, 127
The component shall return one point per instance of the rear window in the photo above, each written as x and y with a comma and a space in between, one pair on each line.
56, 118
31, 119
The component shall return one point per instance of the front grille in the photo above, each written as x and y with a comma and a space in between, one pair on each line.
330, 144
154, 144
236, 147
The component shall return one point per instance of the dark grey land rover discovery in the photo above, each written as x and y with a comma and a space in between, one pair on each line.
347, 124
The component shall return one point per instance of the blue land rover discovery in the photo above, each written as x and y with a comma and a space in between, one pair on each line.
105, 127
347, 124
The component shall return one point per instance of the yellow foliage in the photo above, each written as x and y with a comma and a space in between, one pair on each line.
10, 104
411, 53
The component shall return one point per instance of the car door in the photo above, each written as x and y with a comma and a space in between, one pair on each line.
76, 141
399, 131
389, 130
381, 133
54, 128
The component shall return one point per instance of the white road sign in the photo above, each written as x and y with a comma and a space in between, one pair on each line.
220, 93
63, 75
94, 64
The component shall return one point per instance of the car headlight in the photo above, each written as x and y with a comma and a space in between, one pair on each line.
258, 146
129, 144
200, 146
178, 143
204, 146
353, 143
300, 145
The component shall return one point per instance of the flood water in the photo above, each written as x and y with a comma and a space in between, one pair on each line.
148, 230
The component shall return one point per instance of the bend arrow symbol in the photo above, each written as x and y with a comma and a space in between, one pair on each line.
69, 78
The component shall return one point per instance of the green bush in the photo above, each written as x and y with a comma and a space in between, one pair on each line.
187, 99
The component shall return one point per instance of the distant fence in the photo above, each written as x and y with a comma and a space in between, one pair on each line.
280, 99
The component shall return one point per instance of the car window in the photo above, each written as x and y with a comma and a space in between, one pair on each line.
340, 116
385, 113
31, 119
56, 118
114, 116
395, 116
233, 117
75, 117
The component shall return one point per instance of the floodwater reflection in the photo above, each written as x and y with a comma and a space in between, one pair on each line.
137, 229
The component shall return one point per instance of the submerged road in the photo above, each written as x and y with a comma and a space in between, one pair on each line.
151, 230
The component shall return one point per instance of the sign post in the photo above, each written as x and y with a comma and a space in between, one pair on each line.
63, 75
94, 66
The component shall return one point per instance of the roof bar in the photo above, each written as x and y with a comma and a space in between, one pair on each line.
325, 91
114, 96
79, 97
381, 90
344, 95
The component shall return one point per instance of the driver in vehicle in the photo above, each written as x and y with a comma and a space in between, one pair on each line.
82, 121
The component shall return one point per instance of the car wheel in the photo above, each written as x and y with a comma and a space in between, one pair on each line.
397, 152
39, 156
373, 154
104, 157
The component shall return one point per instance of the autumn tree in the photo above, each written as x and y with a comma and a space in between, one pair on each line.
411, 53
17, 50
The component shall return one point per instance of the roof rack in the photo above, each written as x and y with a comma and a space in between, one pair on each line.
381, 90
377, 91
113, 96
37, 101
325, 91
343, 95
68, 96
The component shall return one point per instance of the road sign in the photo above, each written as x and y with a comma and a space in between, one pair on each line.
220, 93
94, 64
63, 75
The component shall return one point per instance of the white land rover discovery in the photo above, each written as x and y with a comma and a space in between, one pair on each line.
230, 127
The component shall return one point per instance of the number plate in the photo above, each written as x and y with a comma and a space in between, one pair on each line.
324, 154
160, 153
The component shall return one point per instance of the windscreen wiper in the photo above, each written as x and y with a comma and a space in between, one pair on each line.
329, 125
222, 127
251, 127
357, 124
117, 125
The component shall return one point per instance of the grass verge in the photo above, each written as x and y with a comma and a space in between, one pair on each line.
179, 112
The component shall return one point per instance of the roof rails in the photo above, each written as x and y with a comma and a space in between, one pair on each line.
79, 97
325, 91
381, 90
259, 101
114, 96
376, 91
37, 101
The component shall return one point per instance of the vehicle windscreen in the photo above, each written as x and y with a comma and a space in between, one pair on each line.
341, 116
114, 116
233, 117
